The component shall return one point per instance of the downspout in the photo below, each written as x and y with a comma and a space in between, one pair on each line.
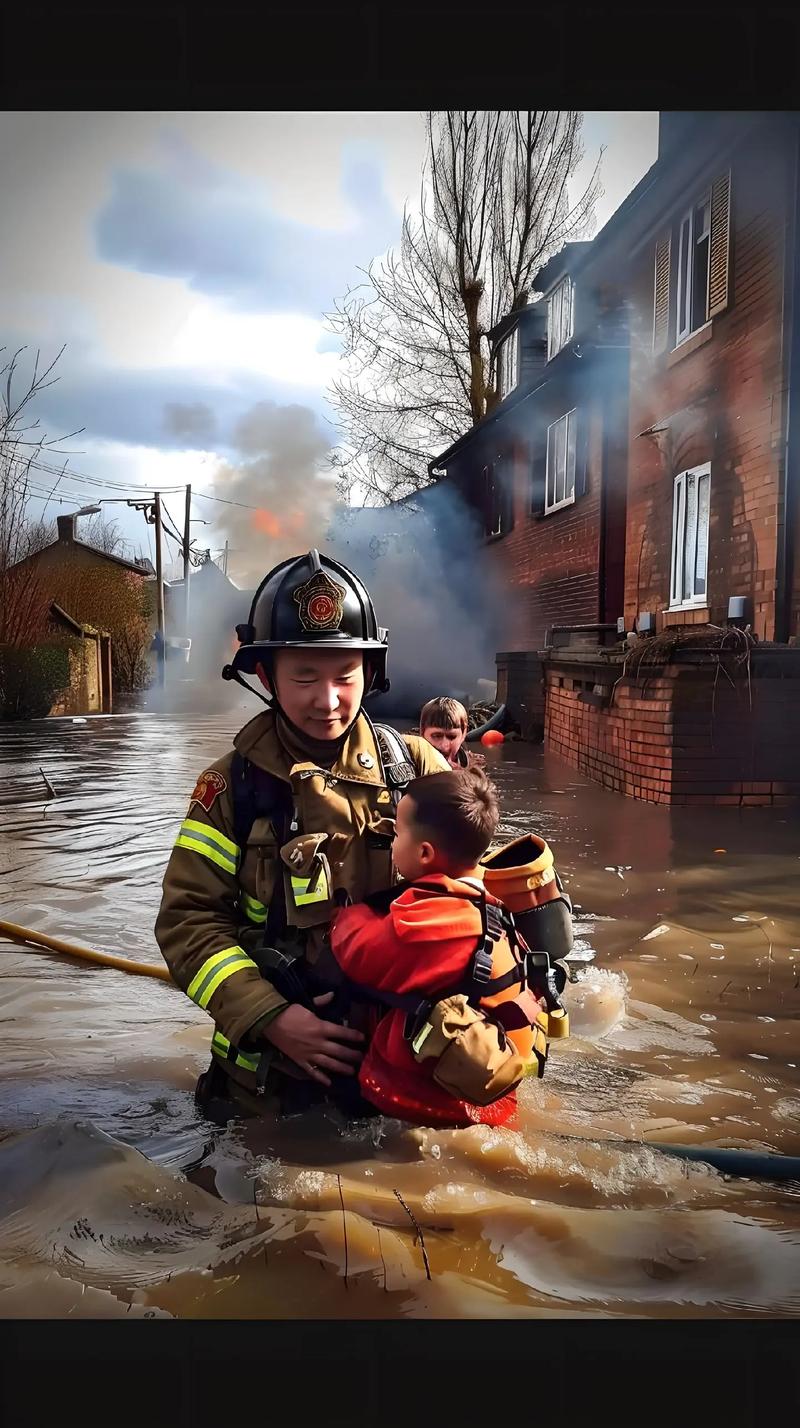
784, 564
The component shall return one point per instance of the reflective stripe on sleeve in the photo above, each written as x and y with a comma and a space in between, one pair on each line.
214, 971
202, 838
252, 908
221, 1045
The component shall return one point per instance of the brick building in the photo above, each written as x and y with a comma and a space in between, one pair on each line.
544, 468
98, 590
669, 343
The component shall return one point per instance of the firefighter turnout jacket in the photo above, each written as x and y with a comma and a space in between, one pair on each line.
334, 838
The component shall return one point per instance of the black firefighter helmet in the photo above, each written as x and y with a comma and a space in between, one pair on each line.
311, 601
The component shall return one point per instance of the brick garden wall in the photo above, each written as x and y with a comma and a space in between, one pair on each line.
682, 734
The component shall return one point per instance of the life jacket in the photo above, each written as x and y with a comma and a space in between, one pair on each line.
474, 1057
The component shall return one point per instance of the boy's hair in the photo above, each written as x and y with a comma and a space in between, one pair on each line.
457, 812
443, 713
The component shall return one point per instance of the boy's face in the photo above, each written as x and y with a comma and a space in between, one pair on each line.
319, 690
412, 855
447, 741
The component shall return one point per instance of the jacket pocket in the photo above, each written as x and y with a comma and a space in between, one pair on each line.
307, 880
261, 866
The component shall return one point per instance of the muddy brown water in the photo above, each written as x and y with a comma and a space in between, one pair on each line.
117, 1199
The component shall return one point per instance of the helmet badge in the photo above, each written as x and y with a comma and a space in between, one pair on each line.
321, 603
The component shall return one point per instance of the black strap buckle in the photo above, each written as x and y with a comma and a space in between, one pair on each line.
482, 962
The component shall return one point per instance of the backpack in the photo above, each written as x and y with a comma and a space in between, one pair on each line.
473, 1058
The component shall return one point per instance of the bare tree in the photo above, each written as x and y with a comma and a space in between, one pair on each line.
104, 534
22, 443
417, 367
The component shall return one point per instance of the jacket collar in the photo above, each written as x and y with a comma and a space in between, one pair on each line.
259, 742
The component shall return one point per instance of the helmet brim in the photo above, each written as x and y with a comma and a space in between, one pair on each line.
248, 656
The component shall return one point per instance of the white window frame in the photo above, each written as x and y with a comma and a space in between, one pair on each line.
569, 420
682, 541
560, 331
508, 363
685, 280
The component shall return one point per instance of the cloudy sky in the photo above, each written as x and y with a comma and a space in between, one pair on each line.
187, 259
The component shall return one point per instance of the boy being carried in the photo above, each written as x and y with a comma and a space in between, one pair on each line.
441, 949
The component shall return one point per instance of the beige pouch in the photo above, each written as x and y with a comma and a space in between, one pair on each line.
475, 1061
309, 888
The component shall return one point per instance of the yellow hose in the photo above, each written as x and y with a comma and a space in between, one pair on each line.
105, 959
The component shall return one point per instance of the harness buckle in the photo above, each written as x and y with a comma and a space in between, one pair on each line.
482, 962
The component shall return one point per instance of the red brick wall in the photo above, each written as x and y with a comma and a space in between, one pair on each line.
549, 564
724, 401
680, 735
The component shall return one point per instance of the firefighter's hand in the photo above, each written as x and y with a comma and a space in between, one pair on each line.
316, 1046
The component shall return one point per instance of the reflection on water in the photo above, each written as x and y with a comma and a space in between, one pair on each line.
117, 1199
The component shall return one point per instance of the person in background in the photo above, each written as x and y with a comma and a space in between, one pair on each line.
443, 723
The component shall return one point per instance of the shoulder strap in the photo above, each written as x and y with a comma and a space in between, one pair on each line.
398, 769
258, 794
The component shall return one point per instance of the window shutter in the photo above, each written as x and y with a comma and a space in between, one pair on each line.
719, 256
581, 452
538, 459
661, 294
507, 472
486, 499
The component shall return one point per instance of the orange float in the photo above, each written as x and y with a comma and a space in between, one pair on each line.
492, 737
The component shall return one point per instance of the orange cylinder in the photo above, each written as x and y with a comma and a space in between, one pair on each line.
521, 873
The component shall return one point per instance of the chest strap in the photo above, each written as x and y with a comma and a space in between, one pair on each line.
398, 770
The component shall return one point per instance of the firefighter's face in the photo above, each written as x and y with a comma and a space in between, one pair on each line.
320, 691
447, 741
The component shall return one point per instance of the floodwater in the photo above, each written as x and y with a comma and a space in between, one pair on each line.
117, 1199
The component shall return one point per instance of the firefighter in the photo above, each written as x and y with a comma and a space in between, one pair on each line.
295, 820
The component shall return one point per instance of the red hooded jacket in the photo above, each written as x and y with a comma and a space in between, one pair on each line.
424, 944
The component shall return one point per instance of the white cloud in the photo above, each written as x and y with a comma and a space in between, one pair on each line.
282, 347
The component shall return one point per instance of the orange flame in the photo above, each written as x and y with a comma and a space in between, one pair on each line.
267, 524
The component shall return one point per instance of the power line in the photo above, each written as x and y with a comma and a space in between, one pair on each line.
100, 482
82, 476
224, 502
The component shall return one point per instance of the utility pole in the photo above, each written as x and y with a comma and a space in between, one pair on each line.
151, 511
186, 539
225, 560
162, 654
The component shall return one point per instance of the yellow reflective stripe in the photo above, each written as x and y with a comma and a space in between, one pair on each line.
254, 909
225, 845
202, 838
222, 1046
301, 894
208, 852
214, 971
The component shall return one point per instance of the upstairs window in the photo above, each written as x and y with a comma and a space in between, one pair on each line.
694, 242
690, 513
560, 315
692, 277
560, 480
508, 364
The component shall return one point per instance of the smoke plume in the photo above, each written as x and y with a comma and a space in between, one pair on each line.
421, 560
279, 479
